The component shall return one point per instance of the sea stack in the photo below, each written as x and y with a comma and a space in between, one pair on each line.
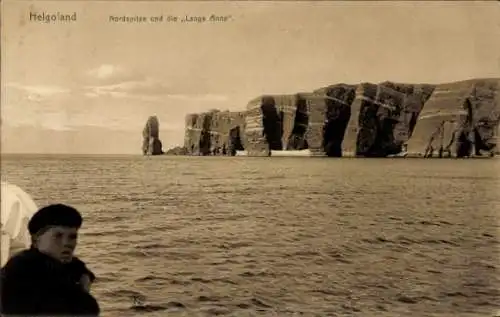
151, 144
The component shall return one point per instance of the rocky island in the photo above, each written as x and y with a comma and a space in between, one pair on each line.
151, 144
458, 119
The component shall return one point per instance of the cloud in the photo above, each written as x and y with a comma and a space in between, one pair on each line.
38, 92
146, 86
116, 82
54, 121
104, 71
135, 94
119, 82
116, 99
42, 106
199, 97
108, 74
26, 115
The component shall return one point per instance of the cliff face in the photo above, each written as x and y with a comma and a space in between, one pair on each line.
458, 118
384, 117
215, 133
368, 120
275, 123
336, 109
151, 144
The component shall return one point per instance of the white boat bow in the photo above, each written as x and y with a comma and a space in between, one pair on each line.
17, 209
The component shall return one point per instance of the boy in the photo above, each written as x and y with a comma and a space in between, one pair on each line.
47, 279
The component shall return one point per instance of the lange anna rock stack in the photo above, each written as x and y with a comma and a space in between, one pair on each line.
151, 144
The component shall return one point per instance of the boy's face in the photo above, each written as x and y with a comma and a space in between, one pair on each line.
58, 242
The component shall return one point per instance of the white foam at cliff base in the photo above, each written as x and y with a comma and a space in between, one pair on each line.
292, 153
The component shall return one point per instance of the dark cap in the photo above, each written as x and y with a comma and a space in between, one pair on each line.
55, 215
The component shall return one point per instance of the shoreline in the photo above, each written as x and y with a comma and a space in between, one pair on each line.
281, 155
181, 151
342, 157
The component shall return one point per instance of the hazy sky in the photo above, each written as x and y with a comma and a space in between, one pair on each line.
88, 86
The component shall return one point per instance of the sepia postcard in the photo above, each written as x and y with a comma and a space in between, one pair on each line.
256, 158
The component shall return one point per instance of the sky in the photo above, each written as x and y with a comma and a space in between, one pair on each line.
88, 86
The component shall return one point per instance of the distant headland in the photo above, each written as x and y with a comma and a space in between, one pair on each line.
457, 119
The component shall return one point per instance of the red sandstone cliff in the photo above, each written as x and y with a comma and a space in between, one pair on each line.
369, 120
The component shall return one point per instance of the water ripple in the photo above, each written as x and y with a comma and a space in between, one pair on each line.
280, 237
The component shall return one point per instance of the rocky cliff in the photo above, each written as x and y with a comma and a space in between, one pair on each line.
457, 119
151, 144
215, 133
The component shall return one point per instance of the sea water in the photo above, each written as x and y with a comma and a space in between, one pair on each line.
242, 236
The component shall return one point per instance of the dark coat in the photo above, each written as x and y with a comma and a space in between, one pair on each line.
35, 284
